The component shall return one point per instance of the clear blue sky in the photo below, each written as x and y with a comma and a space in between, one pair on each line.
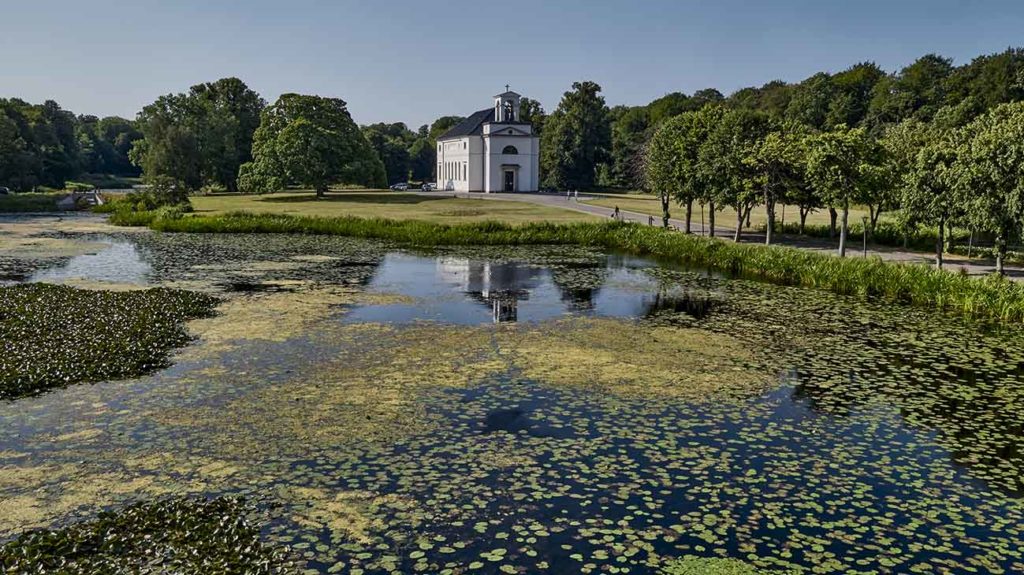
415, 60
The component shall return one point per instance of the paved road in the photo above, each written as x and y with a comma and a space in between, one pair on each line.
953, 262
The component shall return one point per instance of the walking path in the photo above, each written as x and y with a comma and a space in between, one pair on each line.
953, 262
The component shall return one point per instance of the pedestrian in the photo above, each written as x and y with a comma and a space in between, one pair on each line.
650, 220
576, 195
568, 194
616, 216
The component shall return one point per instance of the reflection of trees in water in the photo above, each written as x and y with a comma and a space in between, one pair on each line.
580, 285
668, 302
972, 396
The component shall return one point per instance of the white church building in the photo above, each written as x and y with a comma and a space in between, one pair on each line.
490, 151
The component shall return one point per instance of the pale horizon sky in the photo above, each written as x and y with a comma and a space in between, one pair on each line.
413, 61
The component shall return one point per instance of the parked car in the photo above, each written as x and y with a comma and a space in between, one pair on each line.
428, 187
400, 187
4, 191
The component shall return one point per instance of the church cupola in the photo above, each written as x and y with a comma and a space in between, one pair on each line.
506, 107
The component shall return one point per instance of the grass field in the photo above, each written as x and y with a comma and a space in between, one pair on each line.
648, 204
442, 209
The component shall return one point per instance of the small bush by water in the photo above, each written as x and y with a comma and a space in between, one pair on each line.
170, 536
991, 297
52, 336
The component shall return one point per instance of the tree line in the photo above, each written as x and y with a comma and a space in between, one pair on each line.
44, 145
935, 145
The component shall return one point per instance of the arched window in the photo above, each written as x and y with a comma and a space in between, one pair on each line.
510, 150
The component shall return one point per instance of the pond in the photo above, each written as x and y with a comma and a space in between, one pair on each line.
531, 410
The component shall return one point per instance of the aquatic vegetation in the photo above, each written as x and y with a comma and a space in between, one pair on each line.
637, 359
168, 536
871, 277
52, 336
635, 418
703, 566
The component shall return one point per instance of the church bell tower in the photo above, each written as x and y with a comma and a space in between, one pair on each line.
506, 107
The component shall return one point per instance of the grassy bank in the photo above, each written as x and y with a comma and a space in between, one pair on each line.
29, 202
903, 283
439, 207
53, 336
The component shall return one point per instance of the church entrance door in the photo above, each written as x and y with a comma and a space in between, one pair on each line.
510, 181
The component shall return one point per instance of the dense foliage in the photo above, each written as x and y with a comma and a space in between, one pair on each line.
44, 145
312, 142
992, 297
576, 138
52, 336
199, 138
168, 536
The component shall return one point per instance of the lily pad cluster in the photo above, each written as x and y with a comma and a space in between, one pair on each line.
187, 536
53, 336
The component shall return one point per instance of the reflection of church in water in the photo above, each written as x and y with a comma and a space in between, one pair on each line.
500, 286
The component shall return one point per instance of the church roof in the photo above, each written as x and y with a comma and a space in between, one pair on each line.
471, 126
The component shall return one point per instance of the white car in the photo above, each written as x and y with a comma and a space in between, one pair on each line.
401, 187
427, 187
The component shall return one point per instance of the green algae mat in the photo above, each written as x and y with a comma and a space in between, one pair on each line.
355, 408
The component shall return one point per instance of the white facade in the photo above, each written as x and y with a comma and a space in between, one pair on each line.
490, 151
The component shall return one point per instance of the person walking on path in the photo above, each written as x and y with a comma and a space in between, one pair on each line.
650, 220
568, 194
576, 196
616, 216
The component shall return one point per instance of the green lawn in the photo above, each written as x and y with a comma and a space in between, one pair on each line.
648, 204
441, 208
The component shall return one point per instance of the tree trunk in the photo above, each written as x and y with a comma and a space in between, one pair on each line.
740, 216
748, 219
940, 243
832, 226
769, 207
689, 215
702, 229
1000, 253
665, 216
843, 231
711, 217
876, 214
321, 191
803, 219
950, 238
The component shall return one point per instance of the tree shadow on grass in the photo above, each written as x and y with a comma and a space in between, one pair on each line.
370, 198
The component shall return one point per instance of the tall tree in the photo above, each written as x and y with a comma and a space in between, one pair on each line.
729, 177
777, 165
837, 166
200, 137
629, 133
577, 137
990, 172
919, 90
531, 111
392, 142
309, 141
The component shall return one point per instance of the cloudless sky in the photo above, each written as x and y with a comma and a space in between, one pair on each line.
415, 60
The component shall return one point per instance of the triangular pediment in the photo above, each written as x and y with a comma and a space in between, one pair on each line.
508, 130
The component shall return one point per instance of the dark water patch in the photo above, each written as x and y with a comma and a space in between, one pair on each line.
257, 287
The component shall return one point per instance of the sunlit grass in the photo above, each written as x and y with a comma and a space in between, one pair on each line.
441, 208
